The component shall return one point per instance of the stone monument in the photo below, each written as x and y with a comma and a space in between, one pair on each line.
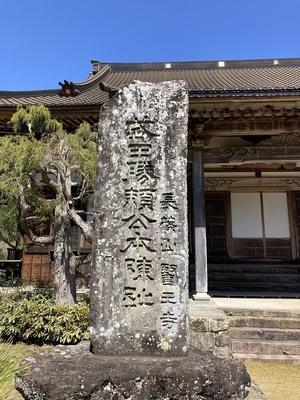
139, 292
139, 297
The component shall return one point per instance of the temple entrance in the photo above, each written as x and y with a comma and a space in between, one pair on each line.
245, 225
252, 243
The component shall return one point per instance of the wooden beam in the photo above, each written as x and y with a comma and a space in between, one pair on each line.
252, 184
271, 126
238, 155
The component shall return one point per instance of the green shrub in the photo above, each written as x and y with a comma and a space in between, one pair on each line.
38, 319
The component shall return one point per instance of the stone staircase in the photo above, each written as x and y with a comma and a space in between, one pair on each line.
256, 278
269, 336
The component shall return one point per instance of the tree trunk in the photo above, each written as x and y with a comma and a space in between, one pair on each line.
64, 271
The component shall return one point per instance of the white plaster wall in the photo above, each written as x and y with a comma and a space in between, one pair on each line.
276, 215
246, 215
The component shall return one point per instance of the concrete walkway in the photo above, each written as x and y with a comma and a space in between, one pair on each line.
217, 304
257, 304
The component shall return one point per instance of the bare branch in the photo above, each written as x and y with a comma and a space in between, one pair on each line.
23, 204
40, 240
83, 187
84, 226
7, 241
82, 259
29, 125
47, 181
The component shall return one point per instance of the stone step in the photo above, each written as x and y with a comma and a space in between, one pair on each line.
265, 322
263, 294
232, 286
265, 334
255, 267
275, 289
248, 346
235, 312
257, 277
252, 277
284, 359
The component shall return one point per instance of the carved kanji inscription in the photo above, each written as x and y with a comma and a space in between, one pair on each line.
139, 294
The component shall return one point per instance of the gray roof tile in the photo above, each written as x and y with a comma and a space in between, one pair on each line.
203, 78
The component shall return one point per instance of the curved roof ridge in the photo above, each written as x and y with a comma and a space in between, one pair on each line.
94, 79
25, 93
204, 78
214, 64
84, 85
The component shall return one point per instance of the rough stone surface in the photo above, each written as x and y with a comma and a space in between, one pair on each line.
73, 372
209, 329
139, 286
256, 393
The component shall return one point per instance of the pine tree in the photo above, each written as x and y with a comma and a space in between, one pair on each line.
45, 173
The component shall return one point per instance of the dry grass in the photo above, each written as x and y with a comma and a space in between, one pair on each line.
8, 367
277, 381
18, 352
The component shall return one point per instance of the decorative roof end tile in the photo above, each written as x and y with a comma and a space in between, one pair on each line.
68, 89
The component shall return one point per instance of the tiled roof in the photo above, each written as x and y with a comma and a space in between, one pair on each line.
90, 94
219, 80
204, 79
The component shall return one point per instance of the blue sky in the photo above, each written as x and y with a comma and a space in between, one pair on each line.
43, 42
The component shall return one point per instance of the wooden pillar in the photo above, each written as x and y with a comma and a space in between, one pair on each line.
199, 224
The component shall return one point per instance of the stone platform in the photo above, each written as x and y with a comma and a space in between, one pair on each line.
73, 372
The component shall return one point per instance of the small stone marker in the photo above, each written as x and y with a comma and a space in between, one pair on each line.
139, 285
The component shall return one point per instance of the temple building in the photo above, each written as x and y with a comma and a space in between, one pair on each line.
243, 167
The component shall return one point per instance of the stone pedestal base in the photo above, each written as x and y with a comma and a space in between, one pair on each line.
201, 297
73, 372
